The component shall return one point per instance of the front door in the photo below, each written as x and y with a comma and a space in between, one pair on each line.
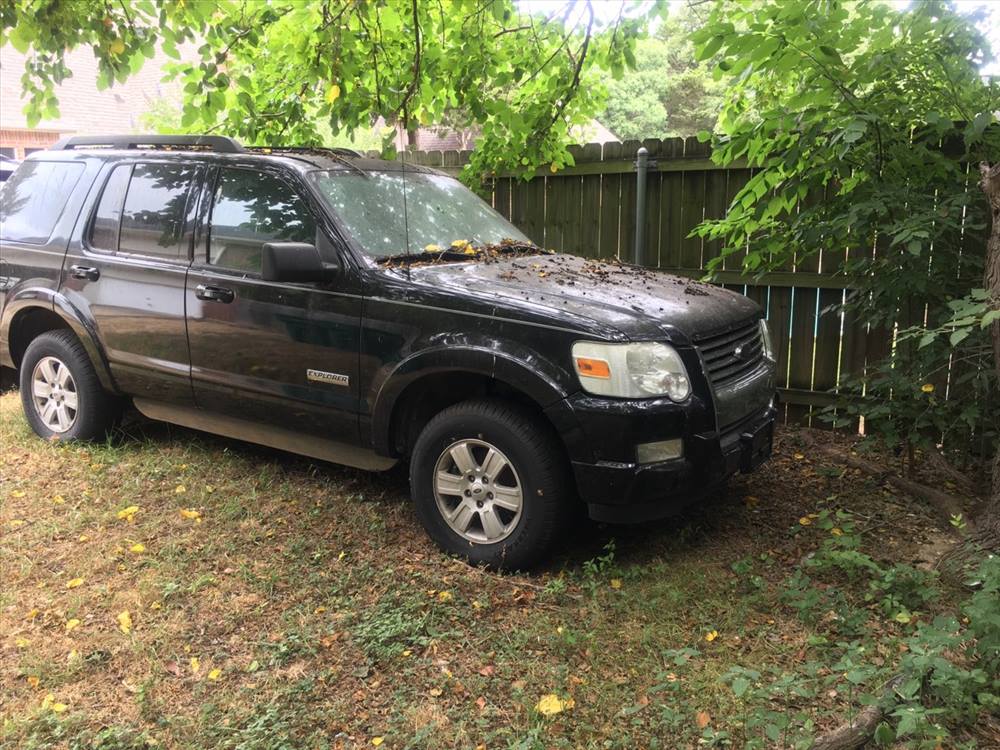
127, 266
277, 353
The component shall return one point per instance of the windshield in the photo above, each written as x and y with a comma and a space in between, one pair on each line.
439, 210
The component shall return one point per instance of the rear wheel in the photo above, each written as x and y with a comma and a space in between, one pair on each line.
60, 392
489, 482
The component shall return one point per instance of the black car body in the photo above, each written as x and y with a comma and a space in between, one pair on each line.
348, 355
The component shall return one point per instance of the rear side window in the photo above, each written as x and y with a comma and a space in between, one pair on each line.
104, 229
32, 200
252, 208
155, 209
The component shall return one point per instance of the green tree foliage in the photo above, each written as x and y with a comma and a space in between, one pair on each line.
669, 93
269, 71
864, 125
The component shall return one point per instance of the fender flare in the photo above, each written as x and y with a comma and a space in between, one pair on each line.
85, 330
518, 374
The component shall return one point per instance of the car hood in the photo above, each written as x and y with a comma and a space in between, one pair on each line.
641, 303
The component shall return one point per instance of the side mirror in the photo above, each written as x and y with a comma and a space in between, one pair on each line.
295, 262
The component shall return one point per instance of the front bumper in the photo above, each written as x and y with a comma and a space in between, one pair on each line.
600, 436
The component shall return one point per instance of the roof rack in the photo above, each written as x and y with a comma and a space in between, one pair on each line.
338, 150
220, 143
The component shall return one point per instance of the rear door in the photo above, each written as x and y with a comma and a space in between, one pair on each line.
128, 267
283, 354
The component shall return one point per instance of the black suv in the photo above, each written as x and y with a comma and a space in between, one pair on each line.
364, 312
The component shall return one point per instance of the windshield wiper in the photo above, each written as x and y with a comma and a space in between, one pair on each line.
471, 252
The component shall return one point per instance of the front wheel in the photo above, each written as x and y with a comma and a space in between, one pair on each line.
489, 482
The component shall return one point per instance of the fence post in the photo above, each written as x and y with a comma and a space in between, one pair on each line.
641, 164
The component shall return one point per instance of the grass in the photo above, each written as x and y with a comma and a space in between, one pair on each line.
277, 603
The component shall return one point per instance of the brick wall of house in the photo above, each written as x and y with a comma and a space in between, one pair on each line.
19, 142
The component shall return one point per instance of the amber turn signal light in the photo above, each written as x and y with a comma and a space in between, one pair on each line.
593, 368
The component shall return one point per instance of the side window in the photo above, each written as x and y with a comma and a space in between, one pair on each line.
250, 209
32, 200
104, 228
155, 209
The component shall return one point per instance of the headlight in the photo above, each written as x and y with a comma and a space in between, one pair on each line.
631, 370
765, 337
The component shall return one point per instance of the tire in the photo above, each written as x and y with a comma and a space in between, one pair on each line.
529, 458
56, 363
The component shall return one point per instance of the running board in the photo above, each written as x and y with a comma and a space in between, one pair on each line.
273, 437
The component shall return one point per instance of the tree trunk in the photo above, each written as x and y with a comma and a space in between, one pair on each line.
990, 183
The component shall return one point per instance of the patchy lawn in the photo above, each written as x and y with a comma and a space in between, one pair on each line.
175, 590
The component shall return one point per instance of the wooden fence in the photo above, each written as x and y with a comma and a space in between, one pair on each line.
589, 210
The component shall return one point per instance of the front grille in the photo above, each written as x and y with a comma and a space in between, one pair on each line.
719, 353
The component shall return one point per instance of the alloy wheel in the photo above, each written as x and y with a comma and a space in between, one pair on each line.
478, 491
53, 393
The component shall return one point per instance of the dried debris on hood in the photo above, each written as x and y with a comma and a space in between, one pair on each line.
568, 270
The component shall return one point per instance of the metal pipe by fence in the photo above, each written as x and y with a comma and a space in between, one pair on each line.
641, 165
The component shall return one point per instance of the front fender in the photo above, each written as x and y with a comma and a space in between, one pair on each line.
523, 371
81, 325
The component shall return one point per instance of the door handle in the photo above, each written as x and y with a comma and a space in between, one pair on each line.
214, 294
88, 273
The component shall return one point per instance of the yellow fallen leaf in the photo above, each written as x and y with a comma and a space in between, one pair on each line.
333, 93
927, 388
836, 532
432, 248
805, 520
74, 582
17, 523
58, 500
711, 635
33, 681
799, 456
22, 642
126, 514
49, 702
83, 538
137, 548
195, 664
180, 489
214, 674
376, 741
616, 583
72, 624
18, 493
552, 704
125, 622
445, 596
190, 514
32, 614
